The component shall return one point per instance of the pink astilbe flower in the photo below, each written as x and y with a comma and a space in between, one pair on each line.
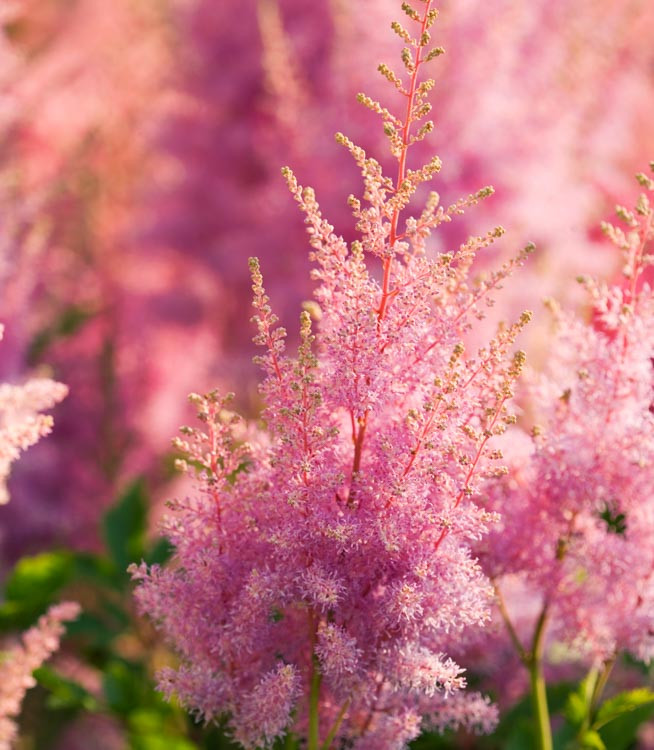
323, 569
222, 138
263, 714
18, 663
549, 144
21, 421
584, 492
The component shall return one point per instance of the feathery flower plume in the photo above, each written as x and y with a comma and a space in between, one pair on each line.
21, 423
536, 107
323, 570
584, 492
17, 665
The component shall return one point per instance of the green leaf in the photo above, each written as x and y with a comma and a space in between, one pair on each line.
620, 717
160, 741
522, 713
99, 570
149, 729
71, 319
592, 741
32, 586
160, 552
522, 736
64, 693
124, 526
578, 705
621, 704
576, 709
565, 736
93, 628
37, 578
122, 685
621, 733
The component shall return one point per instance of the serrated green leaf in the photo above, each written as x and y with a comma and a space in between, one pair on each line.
124, 526
579, 706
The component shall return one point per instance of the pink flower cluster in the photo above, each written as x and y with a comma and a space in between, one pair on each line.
536, 104
142, 234
584, 488
18, 663
323, 569
21, 423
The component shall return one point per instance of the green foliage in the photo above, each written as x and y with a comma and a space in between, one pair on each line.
32, 586
160, 741
620, 717
591, 740
623, 703
106, 627
611, 726
64, 693
124, 526
616, 522
68, 323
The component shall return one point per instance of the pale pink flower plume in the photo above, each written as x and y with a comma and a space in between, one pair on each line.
18, 663
584, 490
21, 421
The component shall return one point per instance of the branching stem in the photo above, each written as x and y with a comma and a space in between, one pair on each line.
401, 168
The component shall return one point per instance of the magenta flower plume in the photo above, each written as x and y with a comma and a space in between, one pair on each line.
323, 570
18, 663
584, 492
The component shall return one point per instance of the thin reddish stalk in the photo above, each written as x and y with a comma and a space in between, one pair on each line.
401, 168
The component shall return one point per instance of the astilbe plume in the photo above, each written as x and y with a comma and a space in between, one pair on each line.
549, 144
323, 570
221, 140
21, 423
18, 663
583, 488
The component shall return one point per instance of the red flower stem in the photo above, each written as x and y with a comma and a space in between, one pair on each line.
401, 169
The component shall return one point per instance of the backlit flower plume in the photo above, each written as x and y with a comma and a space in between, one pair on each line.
18, 663
21, 421
584, 490
323, 569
